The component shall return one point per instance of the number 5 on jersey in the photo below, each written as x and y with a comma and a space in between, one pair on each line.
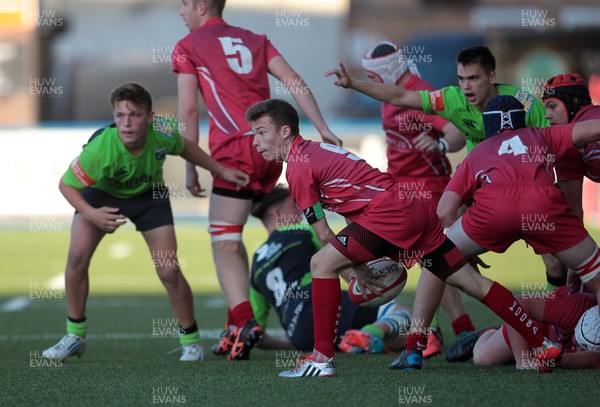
238, 55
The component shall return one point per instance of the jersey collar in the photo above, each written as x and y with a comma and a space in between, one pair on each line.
214, 20
295, 144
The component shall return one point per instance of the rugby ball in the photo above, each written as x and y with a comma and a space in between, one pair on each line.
387, 271
587, 331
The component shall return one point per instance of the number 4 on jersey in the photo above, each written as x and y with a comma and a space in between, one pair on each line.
513, 146
238, 55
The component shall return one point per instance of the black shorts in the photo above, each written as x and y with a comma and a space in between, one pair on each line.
245, 194
362, 245
147, 211
298, 322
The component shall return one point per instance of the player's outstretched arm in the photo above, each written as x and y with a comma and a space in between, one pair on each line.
195, 155
303, 96
106, 218
187, 94
586, 132
394, 95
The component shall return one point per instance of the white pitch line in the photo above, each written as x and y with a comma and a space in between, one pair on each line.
101, 302
15, 304
204, 334
19, 303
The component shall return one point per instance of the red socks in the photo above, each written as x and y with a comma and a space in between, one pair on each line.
327, 309
506, 306
416, 341
241, 313
462, 324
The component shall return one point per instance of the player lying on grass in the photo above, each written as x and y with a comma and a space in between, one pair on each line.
510, 177
385, 223
558, 313
119, 175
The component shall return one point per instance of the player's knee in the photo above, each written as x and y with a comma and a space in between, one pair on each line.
481, 358
168, 274
444, 261
321, 267
316, 265
589, 270
78, 260
167, 268
481, 355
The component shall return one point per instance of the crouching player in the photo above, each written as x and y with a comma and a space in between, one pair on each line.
281, 280
322, 176
118, 175
517, 162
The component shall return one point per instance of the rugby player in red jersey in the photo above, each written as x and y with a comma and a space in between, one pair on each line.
462, 105
325, 177
518, 164
416, 152
229, 66
280, 280
567, 100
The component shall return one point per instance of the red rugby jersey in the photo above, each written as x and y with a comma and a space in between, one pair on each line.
341, 181
574, 165
523, 156
562, 311
590, 158
402, 126
231, 66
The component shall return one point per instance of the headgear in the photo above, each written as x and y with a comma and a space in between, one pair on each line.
501, 113
570, 89
386, 60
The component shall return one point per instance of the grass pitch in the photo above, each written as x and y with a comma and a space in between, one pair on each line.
127, 360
